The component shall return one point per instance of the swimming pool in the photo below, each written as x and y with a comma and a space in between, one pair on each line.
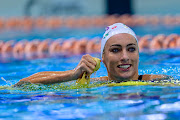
121, 102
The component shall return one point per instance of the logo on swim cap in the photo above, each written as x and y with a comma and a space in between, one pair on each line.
113, 30
106, 35
114, 27
125, 26
107, 28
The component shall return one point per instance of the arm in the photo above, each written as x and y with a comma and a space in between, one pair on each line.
104, 78
51, 77
87, 64
152, 77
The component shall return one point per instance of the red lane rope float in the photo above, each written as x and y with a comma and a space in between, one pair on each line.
41, 22
25, 49
160, 41
45, 48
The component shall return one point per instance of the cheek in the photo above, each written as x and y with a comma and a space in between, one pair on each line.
134, 56
110, 64
107, 62
136, 60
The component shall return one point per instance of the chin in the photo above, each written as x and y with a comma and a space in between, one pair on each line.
126, 76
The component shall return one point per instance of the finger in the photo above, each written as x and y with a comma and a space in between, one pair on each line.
83, 67
89, 59
86, 69
88, 64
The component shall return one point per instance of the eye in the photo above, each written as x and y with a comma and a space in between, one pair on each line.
115, 50
131, 49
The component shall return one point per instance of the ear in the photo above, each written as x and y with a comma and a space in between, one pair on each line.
103, 58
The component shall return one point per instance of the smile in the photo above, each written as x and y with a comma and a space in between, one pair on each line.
124, 66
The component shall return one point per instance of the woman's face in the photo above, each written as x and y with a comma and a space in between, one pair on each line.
121, 57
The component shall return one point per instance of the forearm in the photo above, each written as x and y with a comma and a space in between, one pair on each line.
51, 77
87, 64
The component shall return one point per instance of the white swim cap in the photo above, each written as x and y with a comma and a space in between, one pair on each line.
113, 30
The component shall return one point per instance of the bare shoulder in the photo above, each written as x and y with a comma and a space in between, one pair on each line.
151, 77
104, 78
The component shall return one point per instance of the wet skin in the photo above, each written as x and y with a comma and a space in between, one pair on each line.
121, 57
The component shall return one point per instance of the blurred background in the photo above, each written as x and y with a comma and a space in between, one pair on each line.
23, 21
52, 35
9, 8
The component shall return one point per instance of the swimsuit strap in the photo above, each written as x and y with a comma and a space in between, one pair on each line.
140, 77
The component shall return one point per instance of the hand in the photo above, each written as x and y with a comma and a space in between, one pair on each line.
86, 64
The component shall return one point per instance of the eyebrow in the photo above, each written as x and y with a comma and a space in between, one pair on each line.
131, 44
120, 45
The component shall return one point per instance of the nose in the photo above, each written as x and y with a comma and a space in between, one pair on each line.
124, 57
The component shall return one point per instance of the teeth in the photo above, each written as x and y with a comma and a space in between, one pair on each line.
124, 66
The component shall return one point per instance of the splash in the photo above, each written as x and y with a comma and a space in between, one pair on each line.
29, 87
7, 82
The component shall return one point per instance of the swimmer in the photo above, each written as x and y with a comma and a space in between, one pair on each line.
119, 53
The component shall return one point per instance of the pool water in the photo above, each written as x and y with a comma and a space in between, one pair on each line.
121, 102
36, 101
